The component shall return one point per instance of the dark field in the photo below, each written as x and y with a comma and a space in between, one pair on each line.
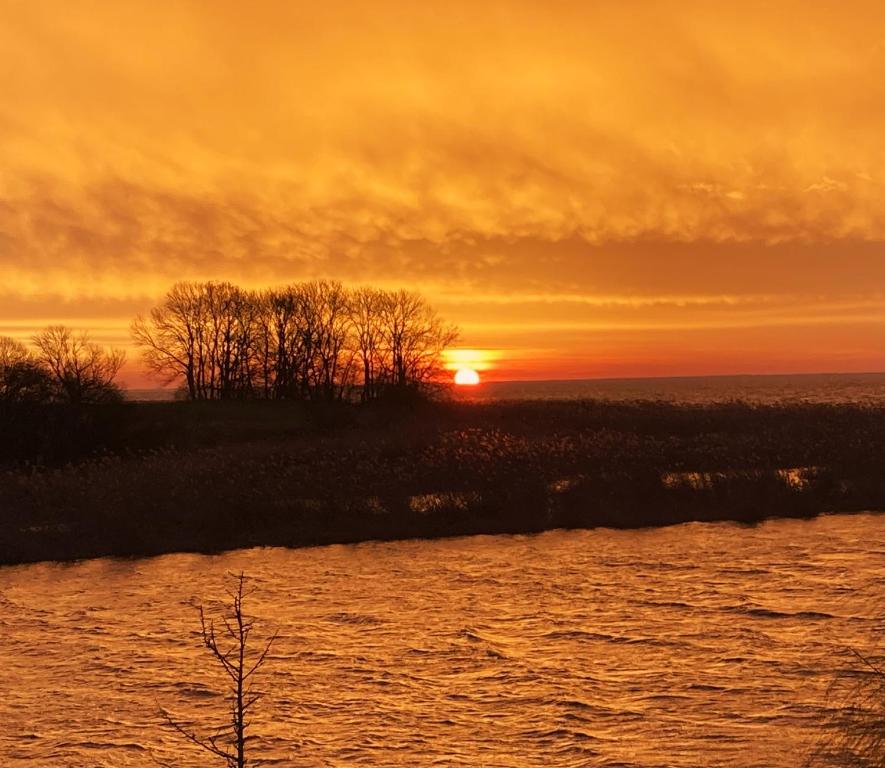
146, 478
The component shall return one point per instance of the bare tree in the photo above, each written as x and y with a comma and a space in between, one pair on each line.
366, 312
12, 352
328, 304
205, 336
280, 343
304, 344
171, 337
82, 371
230, 314
415, 337
229, 647
22, 378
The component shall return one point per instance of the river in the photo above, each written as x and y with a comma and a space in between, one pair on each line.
694, 645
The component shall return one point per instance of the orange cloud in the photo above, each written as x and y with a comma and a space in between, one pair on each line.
719, 169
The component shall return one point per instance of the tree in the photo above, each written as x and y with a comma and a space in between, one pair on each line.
326, 303
415, 337
231, 314
281, 343
204, 335
171, 338
81, 371
228, 741
22, 378
12, 353
366, 312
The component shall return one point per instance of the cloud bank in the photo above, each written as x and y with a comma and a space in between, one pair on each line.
571, 182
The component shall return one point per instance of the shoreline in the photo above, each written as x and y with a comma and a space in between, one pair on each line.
348, 541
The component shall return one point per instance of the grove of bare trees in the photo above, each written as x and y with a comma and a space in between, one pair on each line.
64, 366
80, 370
310, 341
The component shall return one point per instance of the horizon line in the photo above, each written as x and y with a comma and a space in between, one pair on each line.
619, 378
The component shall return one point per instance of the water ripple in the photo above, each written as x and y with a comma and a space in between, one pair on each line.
696, 645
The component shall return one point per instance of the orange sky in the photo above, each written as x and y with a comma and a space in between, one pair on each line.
587, 188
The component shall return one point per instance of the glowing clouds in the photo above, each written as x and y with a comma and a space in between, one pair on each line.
505, 148
474, 359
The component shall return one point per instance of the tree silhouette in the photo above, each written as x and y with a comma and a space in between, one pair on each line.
230, 648
22, 378
81, 371
415, 337
366, 308
316, 340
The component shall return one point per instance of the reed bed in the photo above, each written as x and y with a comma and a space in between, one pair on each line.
138, 479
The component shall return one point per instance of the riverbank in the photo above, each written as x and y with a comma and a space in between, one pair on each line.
143, 479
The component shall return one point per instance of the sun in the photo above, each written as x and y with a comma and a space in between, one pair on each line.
466, 377
469, 366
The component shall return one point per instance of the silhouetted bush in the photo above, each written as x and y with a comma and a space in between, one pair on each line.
853, 736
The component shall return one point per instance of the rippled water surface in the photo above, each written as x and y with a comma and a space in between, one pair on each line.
696, 645
863, 388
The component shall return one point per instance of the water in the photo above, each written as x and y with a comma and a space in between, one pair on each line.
818, 388
695, 645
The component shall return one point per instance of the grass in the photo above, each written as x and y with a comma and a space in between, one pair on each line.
135, 479
854, 734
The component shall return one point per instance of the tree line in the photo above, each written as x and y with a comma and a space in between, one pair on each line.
316, 340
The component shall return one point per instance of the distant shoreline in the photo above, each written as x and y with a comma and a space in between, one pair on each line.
751, 387
146, 479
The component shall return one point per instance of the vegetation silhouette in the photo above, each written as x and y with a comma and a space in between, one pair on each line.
81, 371
230, 648
309, 341
854, 735
22, 378
66, 367
313, 419
148, 478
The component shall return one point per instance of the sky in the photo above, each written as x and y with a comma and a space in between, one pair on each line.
587, 189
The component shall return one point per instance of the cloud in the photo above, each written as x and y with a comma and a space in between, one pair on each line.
675, 149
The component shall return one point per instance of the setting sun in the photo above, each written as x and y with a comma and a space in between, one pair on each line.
466, 377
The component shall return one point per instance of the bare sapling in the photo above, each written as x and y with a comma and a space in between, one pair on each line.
227, 638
